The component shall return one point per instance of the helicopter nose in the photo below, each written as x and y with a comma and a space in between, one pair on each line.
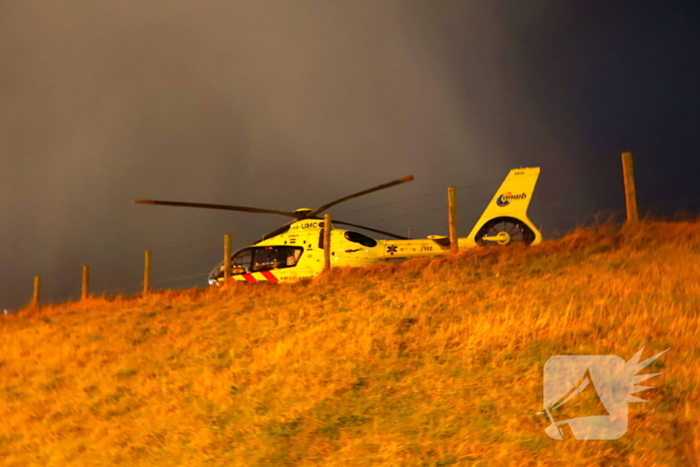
216, 274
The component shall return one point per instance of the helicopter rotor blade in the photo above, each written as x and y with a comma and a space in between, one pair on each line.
388, 234
296, 215
361, 193
218, 206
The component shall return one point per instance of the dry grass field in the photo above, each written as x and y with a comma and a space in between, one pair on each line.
428, 363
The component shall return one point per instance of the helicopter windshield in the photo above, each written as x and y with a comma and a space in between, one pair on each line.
240, 262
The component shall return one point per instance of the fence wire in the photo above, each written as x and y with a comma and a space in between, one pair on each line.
588, 218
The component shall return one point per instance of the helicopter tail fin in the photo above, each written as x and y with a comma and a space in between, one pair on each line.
505, 218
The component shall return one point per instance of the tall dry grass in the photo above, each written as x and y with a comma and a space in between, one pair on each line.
429, 363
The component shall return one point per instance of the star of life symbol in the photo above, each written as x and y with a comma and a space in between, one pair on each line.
391, 249
586, 396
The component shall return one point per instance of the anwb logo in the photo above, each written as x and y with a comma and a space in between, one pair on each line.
586, 396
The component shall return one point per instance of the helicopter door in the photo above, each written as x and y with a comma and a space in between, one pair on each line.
275, 257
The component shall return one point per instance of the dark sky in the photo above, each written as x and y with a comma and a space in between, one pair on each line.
284, 105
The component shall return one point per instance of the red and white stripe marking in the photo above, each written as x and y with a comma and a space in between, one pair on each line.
267, 276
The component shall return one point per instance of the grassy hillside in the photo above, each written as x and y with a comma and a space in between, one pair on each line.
429, 363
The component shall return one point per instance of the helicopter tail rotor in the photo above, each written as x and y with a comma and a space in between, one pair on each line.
505, 219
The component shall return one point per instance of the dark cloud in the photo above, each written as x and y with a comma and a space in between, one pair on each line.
289, 104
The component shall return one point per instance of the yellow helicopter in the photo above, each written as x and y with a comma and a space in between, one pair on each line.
295, 250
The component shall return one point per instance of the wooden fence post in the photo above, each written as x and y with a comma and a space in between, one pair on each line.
227, 258
86, 283
630, 190
37, 291
146, 272
452, 217
326, 241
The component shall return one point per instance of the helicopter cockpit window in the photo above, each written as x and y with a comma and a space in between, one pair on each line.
240, 262
275, 257
363, 240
